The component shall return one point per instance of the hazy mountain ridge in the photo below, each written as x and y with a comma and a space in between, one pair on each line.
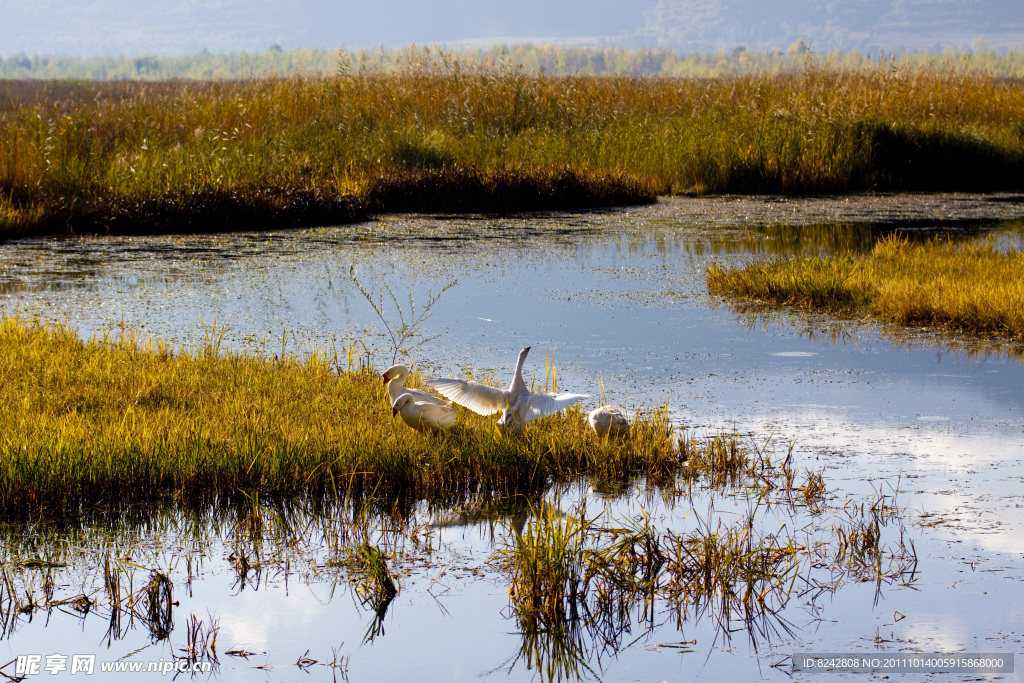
891, 25
175, 27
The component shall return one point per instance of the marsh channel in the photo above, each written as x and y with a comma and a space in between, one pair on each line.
926, 427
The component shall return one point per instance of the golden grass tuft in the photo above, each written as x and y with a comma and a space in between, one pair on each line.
968, 287
110, 423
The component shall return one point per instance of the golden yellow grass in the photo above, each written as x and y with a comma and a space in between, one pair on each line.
437, 136
964, 286
111, 423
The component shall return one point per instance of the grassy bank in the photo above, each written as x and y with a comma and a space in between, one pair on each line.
110, 424
437, 136
960, 287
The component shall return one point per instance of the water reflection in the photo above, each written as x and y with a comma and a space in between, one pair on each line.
827, 331
693, 227
165, 585
620, 295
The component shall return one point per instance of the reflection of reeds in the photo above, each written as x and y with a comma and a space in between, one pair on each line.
158, 604
365, 559
582, 585
130, 596
573, 587
578, 584
548, 565
200, 639
10, 603
732, 573
151, 604
382, 585
857, 546
559, 652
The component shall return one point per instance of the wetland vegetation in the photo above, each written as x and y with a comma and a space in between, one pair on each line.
110, 423
582, 582
592, 558
128, 459
963, 287
442, 136
126, 464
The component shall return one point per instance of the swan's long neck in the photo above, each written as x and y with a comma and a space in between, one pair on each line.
518, 386
397, 384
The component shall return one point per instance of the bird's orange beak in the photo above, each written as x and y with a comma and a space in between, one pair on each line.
384, 380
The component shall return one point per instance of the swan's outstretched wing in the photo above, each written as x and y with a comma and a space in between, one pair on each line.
542, 405
479, 398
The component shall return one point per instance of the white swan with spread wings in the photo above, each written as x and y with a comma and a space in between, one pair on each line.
517, 405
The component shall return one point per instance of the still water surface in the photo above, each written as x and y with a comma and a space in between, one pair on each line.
618, 297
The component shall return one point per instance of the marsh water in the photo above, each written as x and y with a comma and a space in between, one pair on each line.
931, 422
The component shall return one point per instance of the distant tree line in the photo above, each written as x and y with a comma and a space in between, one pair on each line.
554, 60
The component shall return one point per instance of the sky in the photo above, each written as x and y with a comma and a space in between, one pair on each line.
176, 27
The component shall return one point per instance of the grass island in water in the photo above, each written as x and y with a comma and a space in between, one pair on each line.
113, 423
961, 287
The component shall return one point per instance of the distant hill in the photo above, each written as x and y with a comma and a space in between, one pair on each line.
178, 27
867, 25
174, 27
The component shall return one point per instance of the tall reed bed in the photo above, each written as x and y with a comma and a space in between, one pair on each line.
442, 136
111, 423
969, 287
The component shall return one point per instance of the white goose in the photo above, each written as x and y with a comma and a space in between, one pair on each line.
518, 404
423, 416
394, 379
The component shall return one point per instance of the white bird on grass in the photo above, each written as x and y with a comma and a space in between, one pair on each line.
608, 421
394, 379
519, 406
423, 416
